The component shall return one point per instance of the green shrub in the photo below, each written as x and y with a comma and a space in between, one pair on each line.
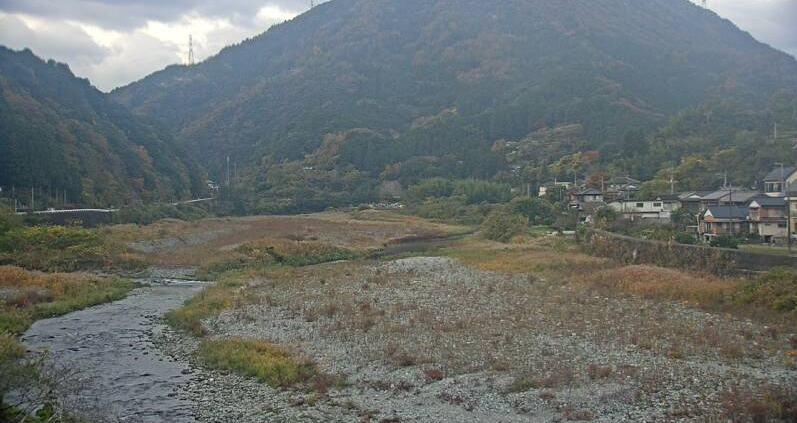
503, 227
775, 290
471, 191
144, 214
685, 238
725, 241
264, 361
264, 253
452, 209
538, 211
208, 302
53, 248
8, 220
64, 249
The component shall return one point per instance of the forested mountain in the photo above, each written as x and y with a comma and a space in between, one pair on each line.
61, 136
498, 69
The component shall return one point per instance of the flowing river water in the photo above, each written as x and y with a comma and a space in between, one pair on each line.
111, 346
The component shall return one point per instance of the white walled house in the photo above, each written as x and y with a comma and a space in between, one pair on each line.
660, 209
767, 217
775, 182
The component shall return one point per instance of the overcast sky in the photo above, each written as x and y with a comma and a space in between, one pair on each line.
115, 42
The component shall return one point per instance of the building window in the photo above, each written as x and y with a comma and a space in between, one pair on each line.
640, 205
656, 204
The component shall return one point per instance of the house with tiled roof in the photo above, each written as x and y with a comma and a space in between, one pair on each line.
776, 181
726, 219
767, 217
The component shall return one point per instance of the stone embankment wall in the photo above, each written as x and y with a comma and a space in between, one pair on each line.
719, 261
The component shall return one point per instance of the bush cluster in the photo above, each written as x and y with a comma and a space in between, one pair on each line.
503, 227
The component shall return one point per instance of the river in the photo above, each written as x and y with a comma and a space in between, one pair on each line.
111, 346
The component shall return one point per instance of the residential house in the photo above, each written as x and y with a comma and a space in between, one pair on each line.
776, 181
791, 213
692, 201
728, 196
659, 210
726, 219
620, 187
587, 195
767, 217
546, 187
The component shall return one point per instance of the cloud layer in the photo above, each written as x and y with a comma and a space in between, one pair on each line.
114, 42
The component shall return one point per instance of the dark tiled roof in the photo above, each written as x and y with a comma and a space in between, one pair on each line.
698, 194
775, 175
728, 212
738, 195
766, 201
590, 191
623, 180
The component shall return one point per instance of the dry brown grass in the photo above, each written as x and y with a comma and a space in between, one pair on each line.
661, 283
26, 296
546, 256
203, 241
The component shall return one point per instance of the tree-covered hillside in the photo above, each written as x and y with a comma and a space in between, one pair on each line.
62, 137
505, 68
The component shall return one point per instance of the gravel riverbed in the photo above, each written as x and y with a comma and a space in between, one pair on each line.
431, 340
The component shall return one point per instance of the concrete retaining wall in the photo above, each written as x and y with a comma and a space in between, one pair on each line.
719, 261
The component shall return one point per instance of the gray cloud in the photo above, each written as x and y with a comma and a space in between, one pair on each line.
129, 49
58, 40
771, 21
125, 15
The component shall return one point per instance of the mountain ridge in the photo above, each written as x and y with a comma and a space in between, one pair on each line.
59, 134
609, 65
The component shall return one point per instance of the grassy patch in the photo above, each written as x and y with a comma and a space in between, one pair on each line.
210, 301
549, 256
64, 249
232, 272
264, 361
776, 290
664, 283
277, 252
29, 296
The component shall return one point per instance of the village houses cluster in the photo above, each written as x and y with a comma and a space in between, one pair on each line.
735, 211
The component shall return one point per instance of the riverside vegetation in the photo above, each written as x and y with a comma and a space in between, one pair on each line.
32, 288
476, 330
553, 333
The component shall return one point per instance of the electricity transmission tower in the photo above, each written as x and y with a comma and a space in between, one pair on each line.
191, 57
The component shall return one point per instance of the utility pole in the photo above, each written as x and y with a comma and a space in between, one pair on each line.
788, 205
672, 181
228, 171
32, 199
775, 131
732, 209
